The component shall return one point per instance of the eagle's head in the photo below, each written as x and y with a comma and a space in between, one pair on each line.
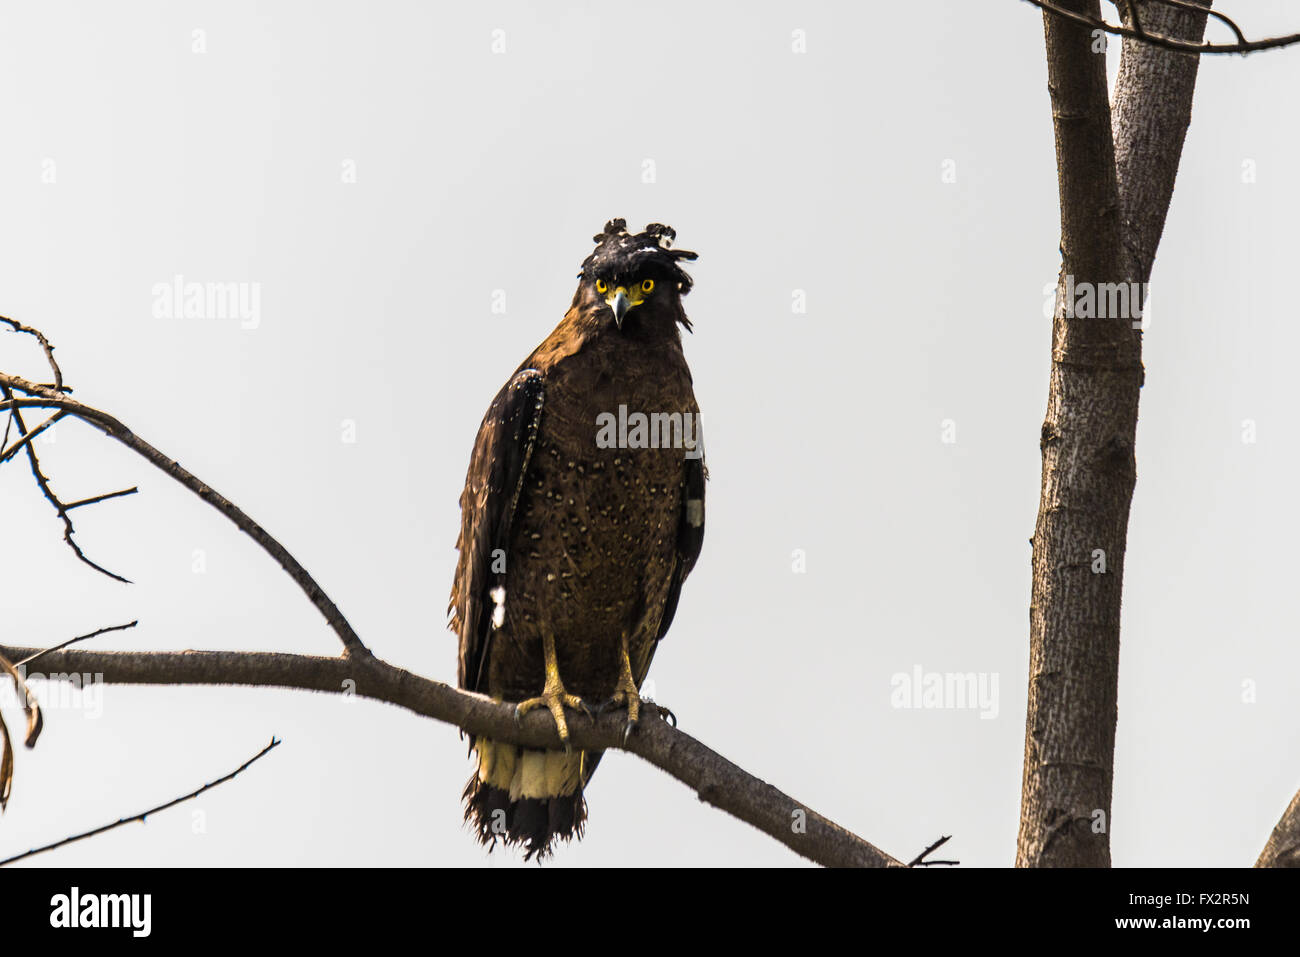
637, 274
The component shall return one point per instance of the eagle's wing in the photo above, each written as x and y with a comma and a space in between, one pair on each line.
492, 486
690, 538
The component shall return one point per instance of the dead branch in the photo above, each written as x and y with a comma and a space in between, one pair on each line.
714, 779
143, 814
43, 483
1138, 32
920, 859
35, 395
72, 641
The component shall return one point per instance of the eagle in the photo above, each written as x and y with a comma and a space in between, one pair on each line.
582, 515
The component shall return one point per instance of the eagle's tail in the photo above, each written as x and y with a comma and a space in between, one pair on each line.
526, 798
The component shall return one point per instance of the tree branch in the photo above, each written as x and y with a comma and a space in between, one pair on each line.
45, 347
28, 436
715, 780
143, 814
43, 482
38, 396
1283, 847
920, 859
72, 641
1162, 40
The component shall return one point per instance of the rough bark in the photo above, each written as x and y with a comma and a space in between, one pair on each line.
1114, 194
1283, 847
1151, 114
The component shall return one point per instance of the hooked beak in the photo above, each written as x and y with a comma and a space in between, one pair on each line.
620, 304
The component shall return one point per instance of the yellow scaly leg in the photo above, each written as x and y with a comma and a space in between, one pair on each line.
553, 697
628, 695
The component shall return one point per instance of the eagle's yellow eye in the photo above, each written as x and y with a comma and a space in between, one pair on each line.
648, 285
601, 286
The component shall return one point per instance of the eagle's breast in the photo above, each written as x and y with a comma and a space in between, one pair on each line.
594, 538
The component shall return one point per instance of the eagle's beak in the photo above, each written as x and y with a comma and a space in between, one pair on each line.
620, 304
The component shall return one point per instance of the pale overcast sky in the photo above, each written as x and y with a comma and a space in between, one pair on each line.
382, 174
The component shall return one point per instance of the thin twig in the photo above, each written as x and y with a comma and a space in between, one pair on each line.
96, 499
1160, 39
920, 859
38, 396
143, 814
1197, 8
45, 347
13, 450
71, 641
44, 483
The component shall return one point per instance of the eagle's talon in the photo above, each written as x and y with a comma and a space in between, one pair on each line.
554, 699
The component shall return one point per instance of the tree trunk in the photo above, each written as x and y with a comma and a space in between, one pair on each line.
1283, 847
1114, 194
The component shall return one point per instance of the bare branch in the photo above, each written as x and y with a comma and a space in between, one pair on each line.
73, 641
38, 396
1283, 847
96, 499
14, 449
143, 814
44, 483
715, 780
45, 347
1199, 8
920, 859
1167, 42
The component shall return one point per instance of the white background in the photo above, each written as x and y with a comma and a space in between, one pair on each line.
479, 171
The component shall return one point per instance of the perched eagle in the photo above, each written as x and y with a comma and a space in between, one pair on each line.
582, 514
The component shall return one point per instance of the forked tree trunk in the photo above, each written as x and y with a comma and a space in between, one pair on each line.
1115, 191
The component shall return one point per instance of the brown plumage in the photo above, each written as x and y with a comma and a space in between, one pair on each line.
569, 537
